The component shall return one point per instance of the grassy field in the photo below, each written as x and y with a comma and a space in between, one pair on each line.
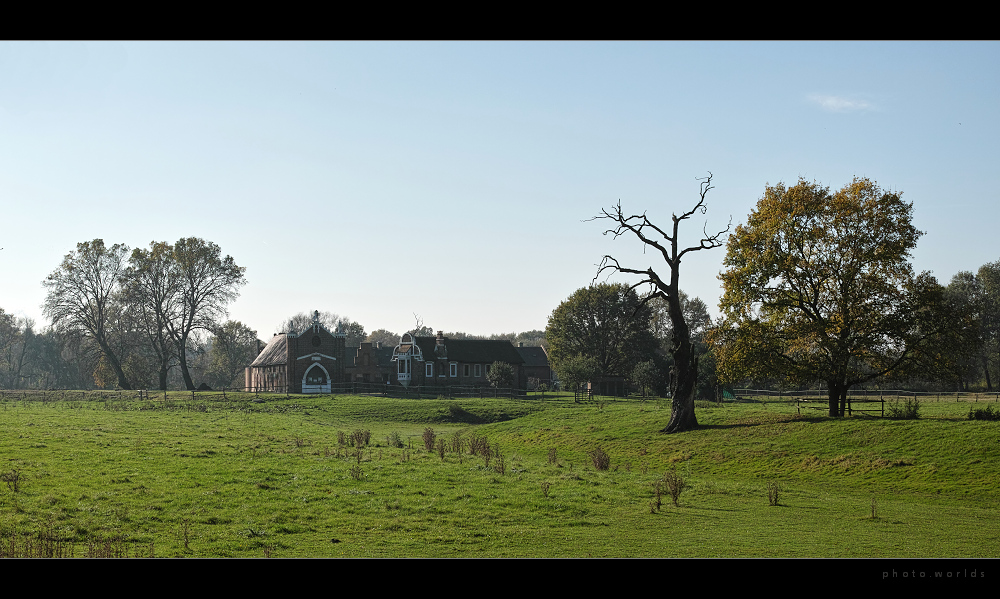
282, 478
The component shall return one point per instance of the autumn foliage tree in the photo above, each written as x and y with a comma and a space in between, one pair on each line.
818, 287
140, 310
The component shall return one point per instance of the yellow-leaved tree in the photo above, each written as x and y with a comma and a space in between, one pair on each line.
818, 286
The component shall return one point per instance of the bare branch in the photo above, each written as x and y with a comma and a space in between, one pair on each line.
639, 225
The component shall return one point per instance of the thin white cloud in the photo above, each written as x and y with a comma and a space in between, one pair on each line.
840, 103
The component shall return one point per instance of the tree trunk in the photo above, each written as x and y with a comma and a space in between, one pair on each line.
116, 365
122, 380
986, 369
182, 358
682, 417
838, 398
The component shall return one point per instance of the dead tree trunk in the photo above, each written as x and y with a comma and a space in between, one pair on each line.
682, 417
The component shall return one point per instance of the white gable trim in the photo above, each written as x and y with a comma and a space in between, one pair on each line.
317, 355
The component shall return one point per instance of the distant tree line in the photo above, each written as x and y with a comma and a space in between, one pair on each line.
152, 318
127, 319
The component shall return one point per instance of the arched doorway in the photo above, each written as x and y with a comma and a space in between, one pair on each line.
316, 380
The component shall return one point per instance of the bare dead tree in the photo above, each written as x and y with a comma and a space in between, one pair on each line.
682, 417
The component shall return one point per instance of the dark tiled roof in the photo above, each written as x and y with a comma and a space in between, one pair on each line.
382, 355
472, 350
275, 353
534, 356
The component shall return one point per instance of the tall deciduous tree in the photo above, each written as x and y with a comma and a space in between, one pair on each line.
606, 323
818, 286
16, 335
234, 347
989, 279
980, 293
669, 247
153, 291
84, 295
208, 283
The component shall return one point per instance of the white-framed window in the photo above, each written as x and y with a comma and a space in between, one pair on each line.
429, 369
479, 370
453, 369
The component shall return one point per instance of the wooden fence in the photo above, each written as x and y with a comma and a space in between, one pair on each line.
818, 399
228, 395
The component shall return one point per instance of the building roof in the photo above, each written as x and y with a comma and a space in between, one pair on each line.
472, 350
534, 357
275, 353
382, 355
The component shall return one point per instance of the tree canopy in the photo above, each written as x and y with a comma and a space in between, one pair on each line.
607, 323
84, 296
979, 293
140, 310
234, 346
500, 375
385, 337
152, 288
209, 282
818, 286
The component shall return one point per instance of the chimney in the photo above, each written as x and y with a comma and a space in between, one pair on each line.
440, 338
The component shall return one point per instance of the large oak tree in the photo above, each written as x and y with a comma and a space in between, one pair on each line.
818, 286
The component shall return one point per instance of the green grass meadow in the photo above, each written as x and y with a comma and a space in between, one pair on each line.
239, 478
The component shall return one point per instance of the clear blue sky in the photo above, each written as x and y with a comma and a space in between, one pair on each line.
453, 180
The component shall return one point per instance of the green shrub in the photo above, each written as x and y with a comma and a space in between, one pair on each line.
909, 409
987, 413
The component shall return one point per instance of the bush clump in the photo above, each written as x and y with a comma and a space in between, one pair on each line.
987, 413
908, 409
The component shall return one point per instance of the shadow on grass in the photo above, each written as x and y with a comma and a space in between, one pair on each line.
777, 419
